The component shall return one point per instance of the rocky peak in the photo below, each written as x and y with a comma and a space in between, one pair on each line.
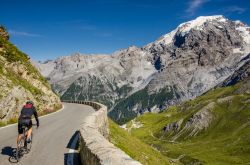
211, 44
199, 22
206, 40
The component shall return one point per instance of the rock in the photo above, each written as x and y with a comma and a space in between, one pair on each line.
3, 33
21, 81
225, 99
175, 126
241, 73
196, 123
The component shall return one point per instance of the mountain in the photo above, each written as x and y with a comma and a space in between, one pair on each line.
210, 129
20, 81
190, 60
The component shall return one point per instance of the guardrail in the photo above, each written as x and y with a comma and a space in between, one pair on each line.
95, 148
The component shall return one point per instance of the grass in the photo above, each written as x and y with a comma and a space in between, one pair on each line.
2, 124
12, 121
226, 141
134, 147
12, 54
18, 80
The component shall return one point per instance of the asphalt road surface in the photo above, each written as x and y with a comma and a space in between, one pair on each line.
53, 141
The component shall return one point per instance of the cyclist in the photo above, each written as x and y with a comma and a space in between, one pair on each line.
25, 119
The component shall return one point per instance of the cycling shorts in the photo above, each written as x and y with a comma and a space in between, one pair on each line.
24, 122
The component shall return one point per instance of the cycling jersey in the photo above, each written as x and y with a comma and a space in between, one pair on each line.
25, 117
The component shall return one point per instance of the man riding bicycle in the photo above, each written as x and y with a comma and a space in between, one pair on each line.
25, 119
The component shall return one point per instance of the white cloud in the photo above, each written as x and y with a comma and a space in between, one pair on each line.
194, 5
25, 34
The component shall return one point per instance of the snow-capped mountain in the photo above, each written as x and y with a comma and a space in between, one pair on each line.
193, 58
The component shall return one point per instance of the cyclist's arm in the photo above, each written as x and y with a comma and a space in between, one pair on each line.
20, 113
36, 116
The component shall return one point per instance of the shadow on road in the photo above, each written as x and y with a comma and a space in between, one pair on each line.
75, 137
9, 151
69, 161
73, 157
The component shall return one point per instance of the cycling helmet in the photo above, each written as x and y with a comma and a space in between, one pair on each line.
30, 102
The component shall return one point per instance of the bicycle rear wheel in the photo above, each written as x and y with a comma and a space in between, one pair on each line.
17, 154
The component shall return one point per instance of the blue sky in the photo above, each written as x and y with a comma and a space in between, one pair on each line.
47, 29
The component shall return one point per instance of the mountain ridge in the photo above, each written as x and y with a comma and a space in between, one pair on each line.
183, 64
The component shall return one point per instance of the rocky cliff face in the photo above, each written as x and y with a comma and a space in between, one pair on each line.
240, 74
195, 57
20, 80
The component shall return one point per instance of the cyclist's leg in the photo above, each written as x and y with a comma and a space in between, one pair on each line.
29, 131
20, 133
19, 138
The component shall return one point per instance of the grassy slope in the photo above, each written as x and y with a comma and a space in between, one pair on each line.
11, 53
226, 141
134, 147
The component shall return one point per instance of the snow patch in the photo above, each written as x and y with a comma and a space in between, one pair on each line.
167, 38
244, 32
198, 22
143, 54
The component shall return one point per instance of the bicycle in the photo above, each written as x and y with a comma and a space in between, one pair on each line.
23, 147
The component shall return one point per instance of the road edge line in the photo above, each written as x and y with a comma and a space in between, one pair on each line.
10, 125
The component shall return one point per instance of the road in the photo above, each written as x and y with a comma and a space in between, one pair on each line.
51, 143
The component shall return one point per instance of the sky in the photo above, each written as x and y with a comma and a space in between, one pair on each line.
48, 29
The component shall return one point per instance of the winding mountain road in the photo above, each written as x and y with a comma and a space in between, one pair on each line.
52, 141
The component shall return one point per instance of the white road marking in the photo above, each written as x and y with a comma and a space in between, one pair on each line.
71, 151
8, 126
38, 117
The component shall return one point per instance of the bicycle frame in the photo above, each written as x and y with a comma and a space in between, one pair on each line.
22, 144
